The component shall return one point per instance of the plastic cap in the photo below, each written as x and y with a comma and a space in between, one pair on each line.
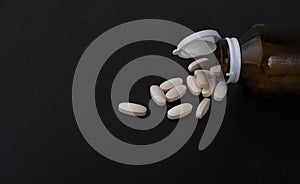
197, 44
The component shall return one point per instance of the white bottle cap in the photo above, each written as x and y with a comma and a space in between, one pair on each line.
197, 44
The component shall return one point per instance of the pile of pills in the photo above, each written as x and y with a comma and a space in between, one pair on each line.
202, 82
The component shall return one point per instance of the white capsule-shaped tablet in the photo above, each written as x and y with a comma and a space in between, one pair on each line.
201, 79
220, 91
157, 95
175, 93
169, 84
197, 64
202, 108
216, 70
192, 86
132, 109
208, 75
196, 72
208, 91
180, 111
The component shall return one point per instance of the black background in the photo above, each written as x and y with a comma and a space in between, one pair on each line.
41, 43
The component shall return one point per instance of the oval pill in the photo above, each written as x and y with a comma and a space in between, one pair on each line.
196, 64
180, 111
132, 109
169, 84
215, 70
220, 91
202, 108
192, 86
201, 79
175, 93
157, 95
207, 92
196, 72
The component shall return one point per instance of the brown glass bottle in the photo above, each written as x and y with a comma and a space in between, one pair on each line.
269, 59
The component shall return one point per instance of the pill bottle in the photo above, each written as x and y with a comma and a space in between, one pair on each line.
264, 60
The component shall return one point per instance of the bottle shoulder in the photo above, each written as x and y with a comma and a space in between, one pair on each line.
272, 33
270, 59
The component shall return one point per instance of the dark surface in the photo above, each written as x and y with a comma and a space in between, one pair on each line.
41, 43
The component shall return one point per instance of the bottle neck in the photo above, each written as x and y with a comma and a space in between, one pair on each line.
229, 55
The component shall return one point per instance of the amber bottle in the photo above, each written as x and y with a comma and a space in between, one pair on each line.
269, 60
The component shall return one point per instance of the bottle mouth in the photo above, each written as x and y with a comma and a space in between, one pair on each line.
204, 43
235, 60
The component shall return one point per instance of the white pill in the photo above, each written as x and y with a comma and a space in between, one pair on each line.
201, 79
132, 109
157, 95
167, 85
202, 108
208, 91
216, 70
180, 111
192, 86
196, 72
220, 91
197, 64
175, 93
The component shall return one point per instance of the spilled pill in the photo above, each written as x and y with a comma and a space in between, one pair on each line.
215, 70
202, 108
180, 111
220, 91
196, 64
168, 84
175, 93
208, 91
157, 95
192, 86
132, 109
201, 79
209, 75
196, 72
